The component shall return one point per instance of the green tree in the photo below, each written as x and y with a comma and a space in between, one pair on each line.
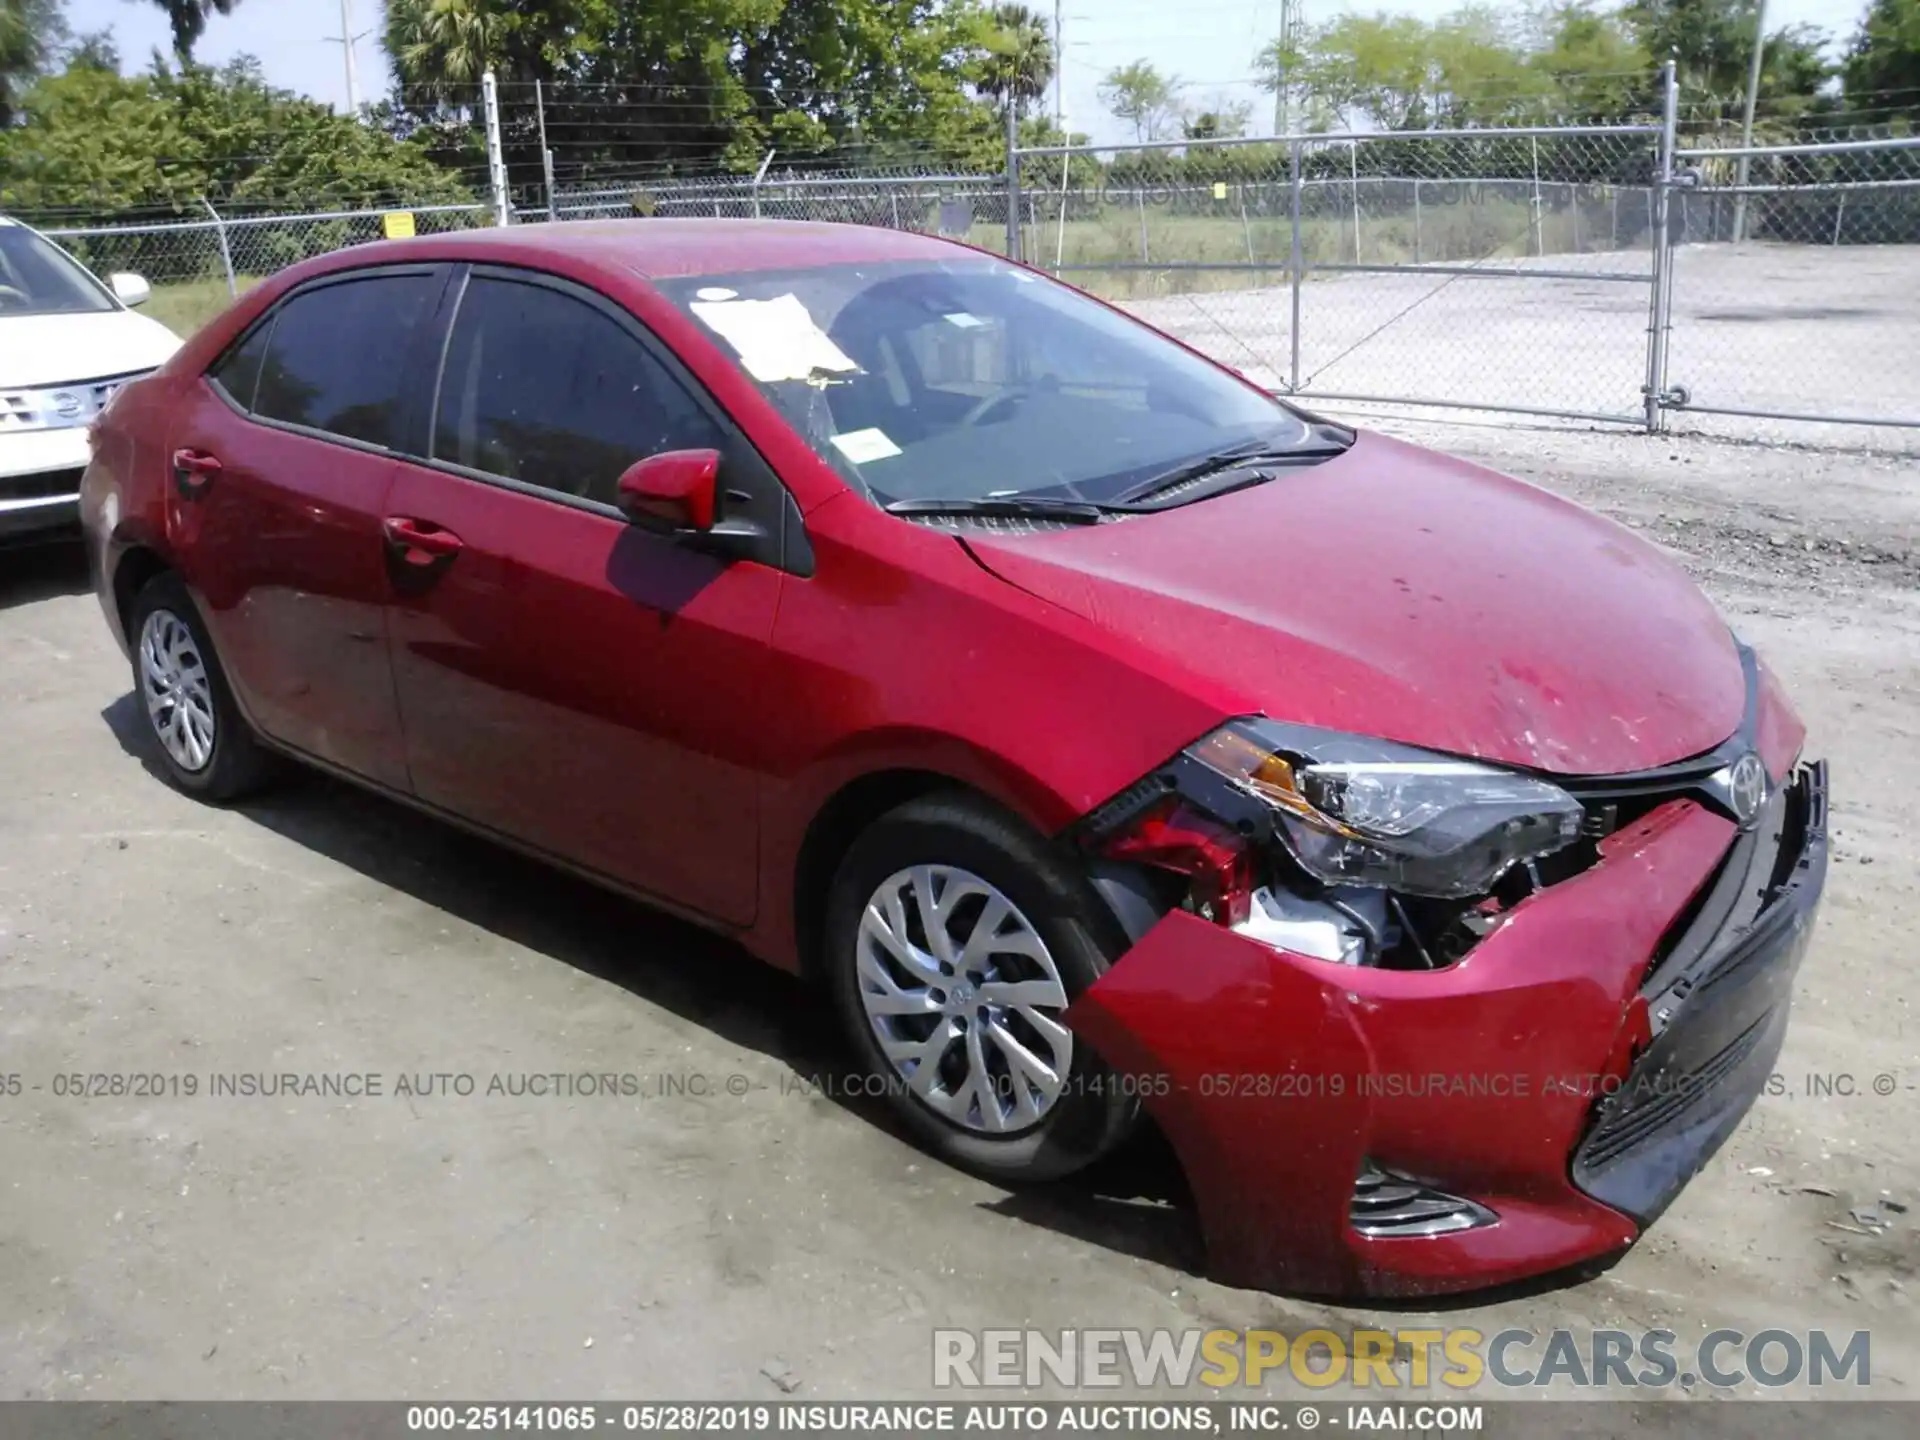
1142, 96
688, 84
1222, 120
1595, 67
31, 32
90, 138
1711, 43
1019, 60
188, 19
1882, 68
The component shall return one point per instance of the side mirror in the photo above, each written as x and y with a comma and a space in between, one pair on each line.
129, 289
674, 492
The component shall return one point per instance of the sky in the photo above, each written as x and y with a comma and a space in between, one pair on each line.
1209, 44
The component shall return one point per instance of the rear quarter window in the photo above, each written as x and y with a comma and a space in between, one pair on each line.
237, 373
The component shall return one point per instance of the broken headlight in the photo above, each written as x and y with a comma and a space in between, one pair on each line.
1359, 811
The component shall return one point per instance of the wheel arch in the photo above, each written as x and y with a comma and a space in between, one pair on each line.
136, 566
841, 820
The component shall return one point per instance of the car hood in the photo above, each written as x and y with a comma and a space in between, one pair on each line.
1400, 593
37, 351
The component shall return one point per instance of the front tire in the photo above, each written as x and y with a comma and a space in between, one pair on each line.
956, 938
201, 741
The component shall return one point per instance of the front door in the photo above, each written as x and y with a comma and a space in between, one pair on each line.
565, 678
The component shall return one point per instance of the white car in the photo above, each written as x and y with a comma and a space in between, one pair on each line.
67, 342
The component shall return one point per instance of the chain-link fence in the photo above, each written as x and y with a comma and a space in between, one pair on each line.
965, 207
197, 266
1796, 285
1431, 268
1604, 272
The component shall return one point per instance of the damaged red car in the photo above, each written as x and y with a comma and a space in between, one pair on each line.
1421, 852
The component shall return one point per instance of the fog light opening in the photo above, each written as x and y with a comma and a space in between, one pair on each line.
1385, 1204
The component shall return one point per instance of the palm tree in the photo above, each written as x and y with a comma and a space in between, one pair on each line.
436, 43
189, 21
1020, 58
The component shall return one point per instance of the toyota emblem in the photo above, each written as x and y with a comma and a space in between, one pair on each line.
1747, 787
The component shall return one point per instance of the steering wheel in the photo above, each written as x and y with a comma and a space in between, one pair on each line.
8, 292
988, 404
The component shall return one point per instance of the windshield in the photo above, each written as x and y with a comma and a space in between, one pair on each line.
37, 279
968, 379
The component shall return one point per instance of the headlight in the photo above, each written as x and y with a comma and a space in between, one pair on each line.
1357, 811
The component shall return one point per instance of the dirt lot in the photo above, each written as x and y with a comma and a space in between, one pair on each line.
758, 1236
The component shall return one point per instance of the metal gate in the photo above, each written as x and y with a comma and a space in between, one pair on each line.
1508, 270
1605, 273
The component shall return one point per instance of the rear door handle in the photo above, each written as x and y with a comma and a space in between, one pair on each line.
194, 470
423, 537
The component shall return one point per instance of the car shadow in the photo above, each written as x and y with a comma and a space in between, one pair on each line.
36, 570
1134, 1202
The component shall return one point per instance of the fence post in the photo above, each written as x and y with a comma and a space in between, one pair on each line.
496, 160
1293, 265
1416, 219
1140, 202
1013, 183
1659, 308
1539, 241
758, 176
1839, 214
226, 251
546, 155
1060, 227
1353, 175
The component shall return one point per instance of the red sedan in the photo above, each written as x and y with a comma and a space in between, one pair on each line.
1420, 851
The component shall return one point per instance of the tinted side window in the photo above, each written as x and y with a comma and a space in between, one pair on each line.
543, 388
238, 373
337, 358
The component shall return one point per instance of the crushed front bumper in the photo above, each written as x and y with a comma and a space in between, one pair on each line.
1282, 1080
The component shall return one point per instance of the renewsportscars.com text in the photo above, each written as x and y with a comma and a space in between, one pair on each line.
1458, 1358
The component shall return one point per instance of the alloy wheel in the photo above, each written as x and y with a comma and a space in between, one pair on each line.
179, 696
964, 999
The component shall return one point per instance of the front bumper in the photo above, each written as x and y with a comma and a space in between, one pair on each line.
1280, 1079
40, 481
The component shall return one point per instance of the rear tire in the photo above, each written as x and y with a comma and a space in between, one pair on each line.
197, 733
960, 1015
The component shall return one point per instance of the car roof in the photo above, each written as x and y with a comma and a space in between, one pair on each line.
661, 248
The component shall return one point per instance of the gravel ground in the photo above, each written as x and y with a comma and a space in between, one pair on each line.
761, 1240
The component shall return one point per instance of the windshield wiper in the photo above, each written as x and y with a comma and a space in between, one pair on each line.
1239, 466
1019, 507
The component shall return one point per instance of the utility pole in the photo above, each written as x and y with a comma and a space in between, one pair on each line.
1059, 76
1283, 59
1746, 122
346, 40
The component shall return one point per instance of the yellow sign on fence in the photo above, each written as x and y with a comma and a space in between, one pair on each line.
1219, 189
397, 224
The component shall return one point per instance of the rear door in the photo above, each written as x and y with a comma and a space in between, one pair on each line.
283, 460
565, 678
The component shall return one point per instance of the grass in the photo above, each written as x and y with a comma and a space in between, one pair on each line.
1460, 234
1122, 235
184, 307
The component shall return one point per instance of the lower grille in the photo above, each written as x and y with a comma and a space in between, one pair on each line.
1675, 1094
49, 485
